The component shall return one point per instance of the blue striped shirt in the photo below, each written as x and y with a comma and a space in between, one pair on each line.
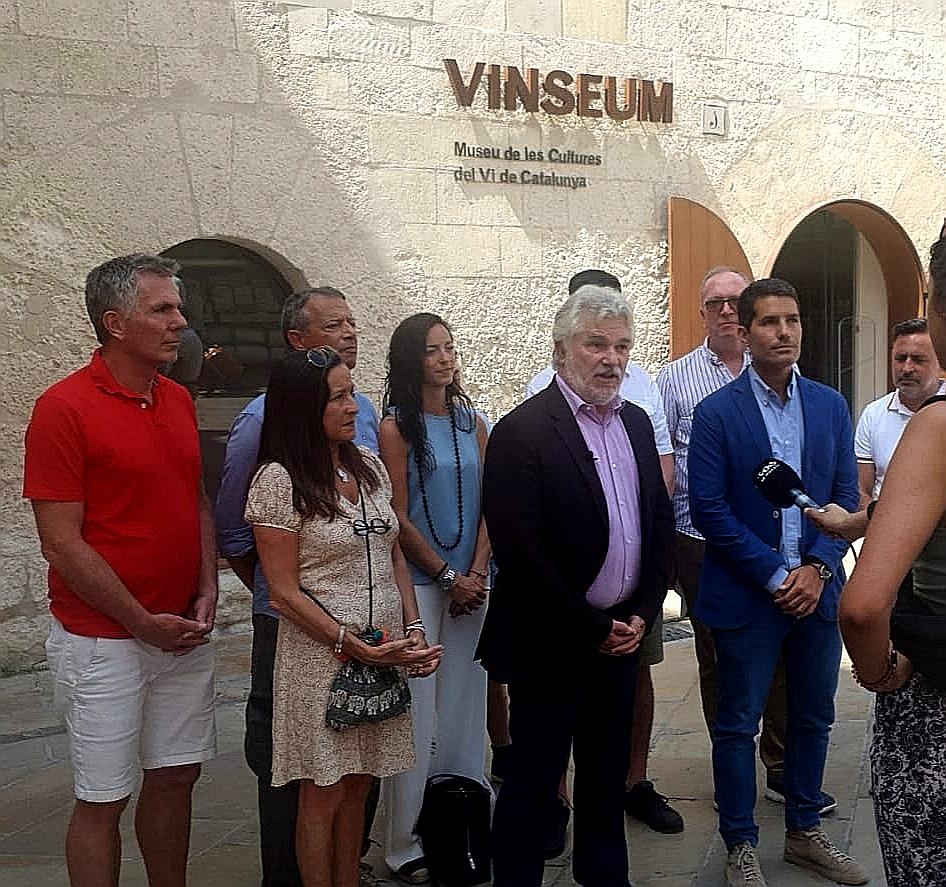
683, 383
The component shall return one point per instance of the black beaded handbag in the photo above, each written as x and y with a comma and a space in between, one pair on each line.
363, 693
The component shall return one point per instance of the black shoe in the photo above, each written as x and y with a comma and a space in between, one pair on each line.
555, 845
643, 802
775, 791
414, 872
500, 763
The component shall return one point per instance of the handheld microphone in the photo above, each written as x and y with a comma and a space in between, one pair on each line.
781, 485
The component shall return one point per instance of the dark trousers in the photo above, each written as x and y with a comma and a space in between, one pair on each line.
689, 554
588, 708
277, 806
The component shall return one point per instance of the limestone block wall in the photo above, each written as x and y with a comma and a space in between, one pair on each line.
322, 134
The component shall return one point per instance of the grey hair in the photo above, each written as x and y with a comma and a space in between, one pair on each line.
715, 271
113, 286
293, 309
597, 301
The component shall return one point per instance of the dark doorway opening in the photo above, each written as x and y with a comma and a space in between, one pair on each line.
233, 301
820, 260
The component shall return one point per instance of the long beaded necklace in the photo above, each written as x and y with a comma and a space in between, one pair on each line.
423, 489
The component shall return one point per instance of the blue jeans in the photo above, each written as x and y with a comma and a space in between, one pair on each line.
745, 661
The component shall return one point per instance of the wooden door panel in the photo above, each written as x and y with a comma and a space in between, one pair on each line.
697, 241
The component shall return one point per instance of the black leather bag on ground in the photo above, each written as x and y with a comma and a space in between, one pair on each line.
919, 634
454, 831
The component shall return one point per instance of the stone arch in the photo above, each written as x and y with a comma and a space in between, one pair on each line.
859, 274
903, 271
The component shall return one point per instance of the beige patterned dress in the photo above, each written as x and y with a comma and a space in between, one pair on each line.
333, 566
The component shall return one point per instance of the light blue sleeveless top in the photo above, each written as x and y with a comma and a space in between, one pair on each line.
441, 487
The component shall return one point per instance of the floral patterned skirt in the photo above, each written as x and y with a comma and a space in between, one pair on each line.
908, 775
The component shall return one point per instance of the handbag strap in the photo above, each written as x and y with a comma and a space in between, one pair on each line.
364, 517
318, 603
312, 597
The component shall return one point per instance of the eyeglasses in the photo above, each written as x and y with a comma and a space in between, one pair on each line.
377, 525
322, 357
717, 304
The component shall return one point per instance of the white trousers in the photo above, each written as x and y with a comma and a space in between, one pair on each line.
448, 712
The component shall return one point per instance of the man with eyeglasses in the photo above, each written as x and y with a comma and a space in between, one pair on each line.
683, 383
310, 320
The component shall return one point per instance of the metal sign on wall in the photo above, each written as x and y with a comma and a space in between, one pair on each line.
559, 92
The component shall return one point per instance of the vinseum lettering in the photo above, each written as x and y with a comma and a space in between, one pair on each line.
558, 92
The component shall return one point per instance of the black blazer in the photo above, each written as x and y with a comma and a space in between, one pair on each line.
548, 526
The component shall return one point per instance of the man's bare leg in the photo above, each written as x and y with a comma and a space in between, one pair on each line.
642, 801
94, 844
163, 823
642, 726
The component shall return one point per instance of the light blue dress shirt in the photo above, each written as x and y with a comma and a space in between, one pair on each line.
234, 534
785, 426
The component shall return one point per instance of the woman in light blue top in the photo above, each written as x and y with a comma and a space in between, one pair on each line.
432, 442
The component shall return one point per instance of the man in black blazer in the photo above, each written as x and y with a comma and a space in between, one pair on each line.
581, 529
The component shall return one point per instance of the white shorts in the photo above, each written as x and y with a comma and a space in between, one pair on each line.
129, 706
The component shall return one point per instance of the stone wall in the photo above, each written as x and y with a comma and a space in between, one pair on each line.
323, 134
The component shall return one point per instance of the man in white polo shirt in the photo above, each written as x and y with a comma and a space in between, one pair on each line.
916, 377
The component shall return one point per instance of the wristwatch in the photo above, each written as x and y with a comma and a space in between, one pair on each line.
824, 571
447, 579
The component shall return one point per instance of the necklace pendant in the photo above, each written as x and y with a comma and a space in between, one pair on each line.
343, 475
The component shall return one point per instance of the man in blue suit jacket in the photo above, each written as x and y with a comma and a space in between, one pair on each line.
771, 581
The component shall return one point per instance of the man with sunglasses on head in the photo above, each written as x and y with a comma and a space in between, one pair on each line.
310, 319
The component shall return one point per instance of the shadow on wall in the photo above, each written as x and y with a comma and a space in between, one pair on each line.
200, 157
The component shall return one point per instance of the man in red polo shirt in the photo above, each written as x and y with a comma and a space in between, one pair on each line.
113, 471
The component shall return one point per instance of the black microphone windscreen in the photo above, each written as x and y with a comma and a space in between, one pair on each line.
777, 481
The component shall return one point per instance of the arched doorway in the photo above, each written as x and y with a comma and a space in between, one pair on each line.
857, 275
233, 301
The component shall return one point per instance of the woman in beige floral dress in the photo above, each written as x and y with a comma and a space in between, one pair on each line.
305, 505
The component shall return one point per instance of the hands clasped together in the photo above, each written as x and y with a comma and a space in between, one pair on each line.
412, 653
799, 594
468, 594
625, 637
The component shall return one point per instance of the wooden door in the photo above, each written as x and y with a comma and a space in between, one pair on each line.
697, 241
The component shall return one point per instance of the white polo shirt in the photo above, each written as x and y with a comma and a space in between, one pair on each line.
637, 387
878, 432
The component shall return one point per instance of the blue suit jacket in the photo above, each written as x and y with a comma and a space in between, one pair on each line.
742, 529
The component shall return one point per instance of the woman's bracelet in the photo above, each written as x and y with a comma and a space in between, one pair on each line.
339, 640
416, 625
889, 672
479, 573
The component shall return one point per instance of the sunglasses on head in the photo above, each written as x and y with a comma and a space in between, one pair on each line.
322, 357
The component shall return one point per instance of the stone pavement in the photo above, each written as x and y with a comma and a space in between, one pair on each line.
36, 796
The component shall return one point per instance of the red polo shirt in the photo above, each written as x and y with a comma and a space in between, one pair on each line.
135, 467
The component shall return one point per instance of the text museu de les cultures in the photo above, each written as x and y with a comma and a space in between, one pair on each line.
558, 93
